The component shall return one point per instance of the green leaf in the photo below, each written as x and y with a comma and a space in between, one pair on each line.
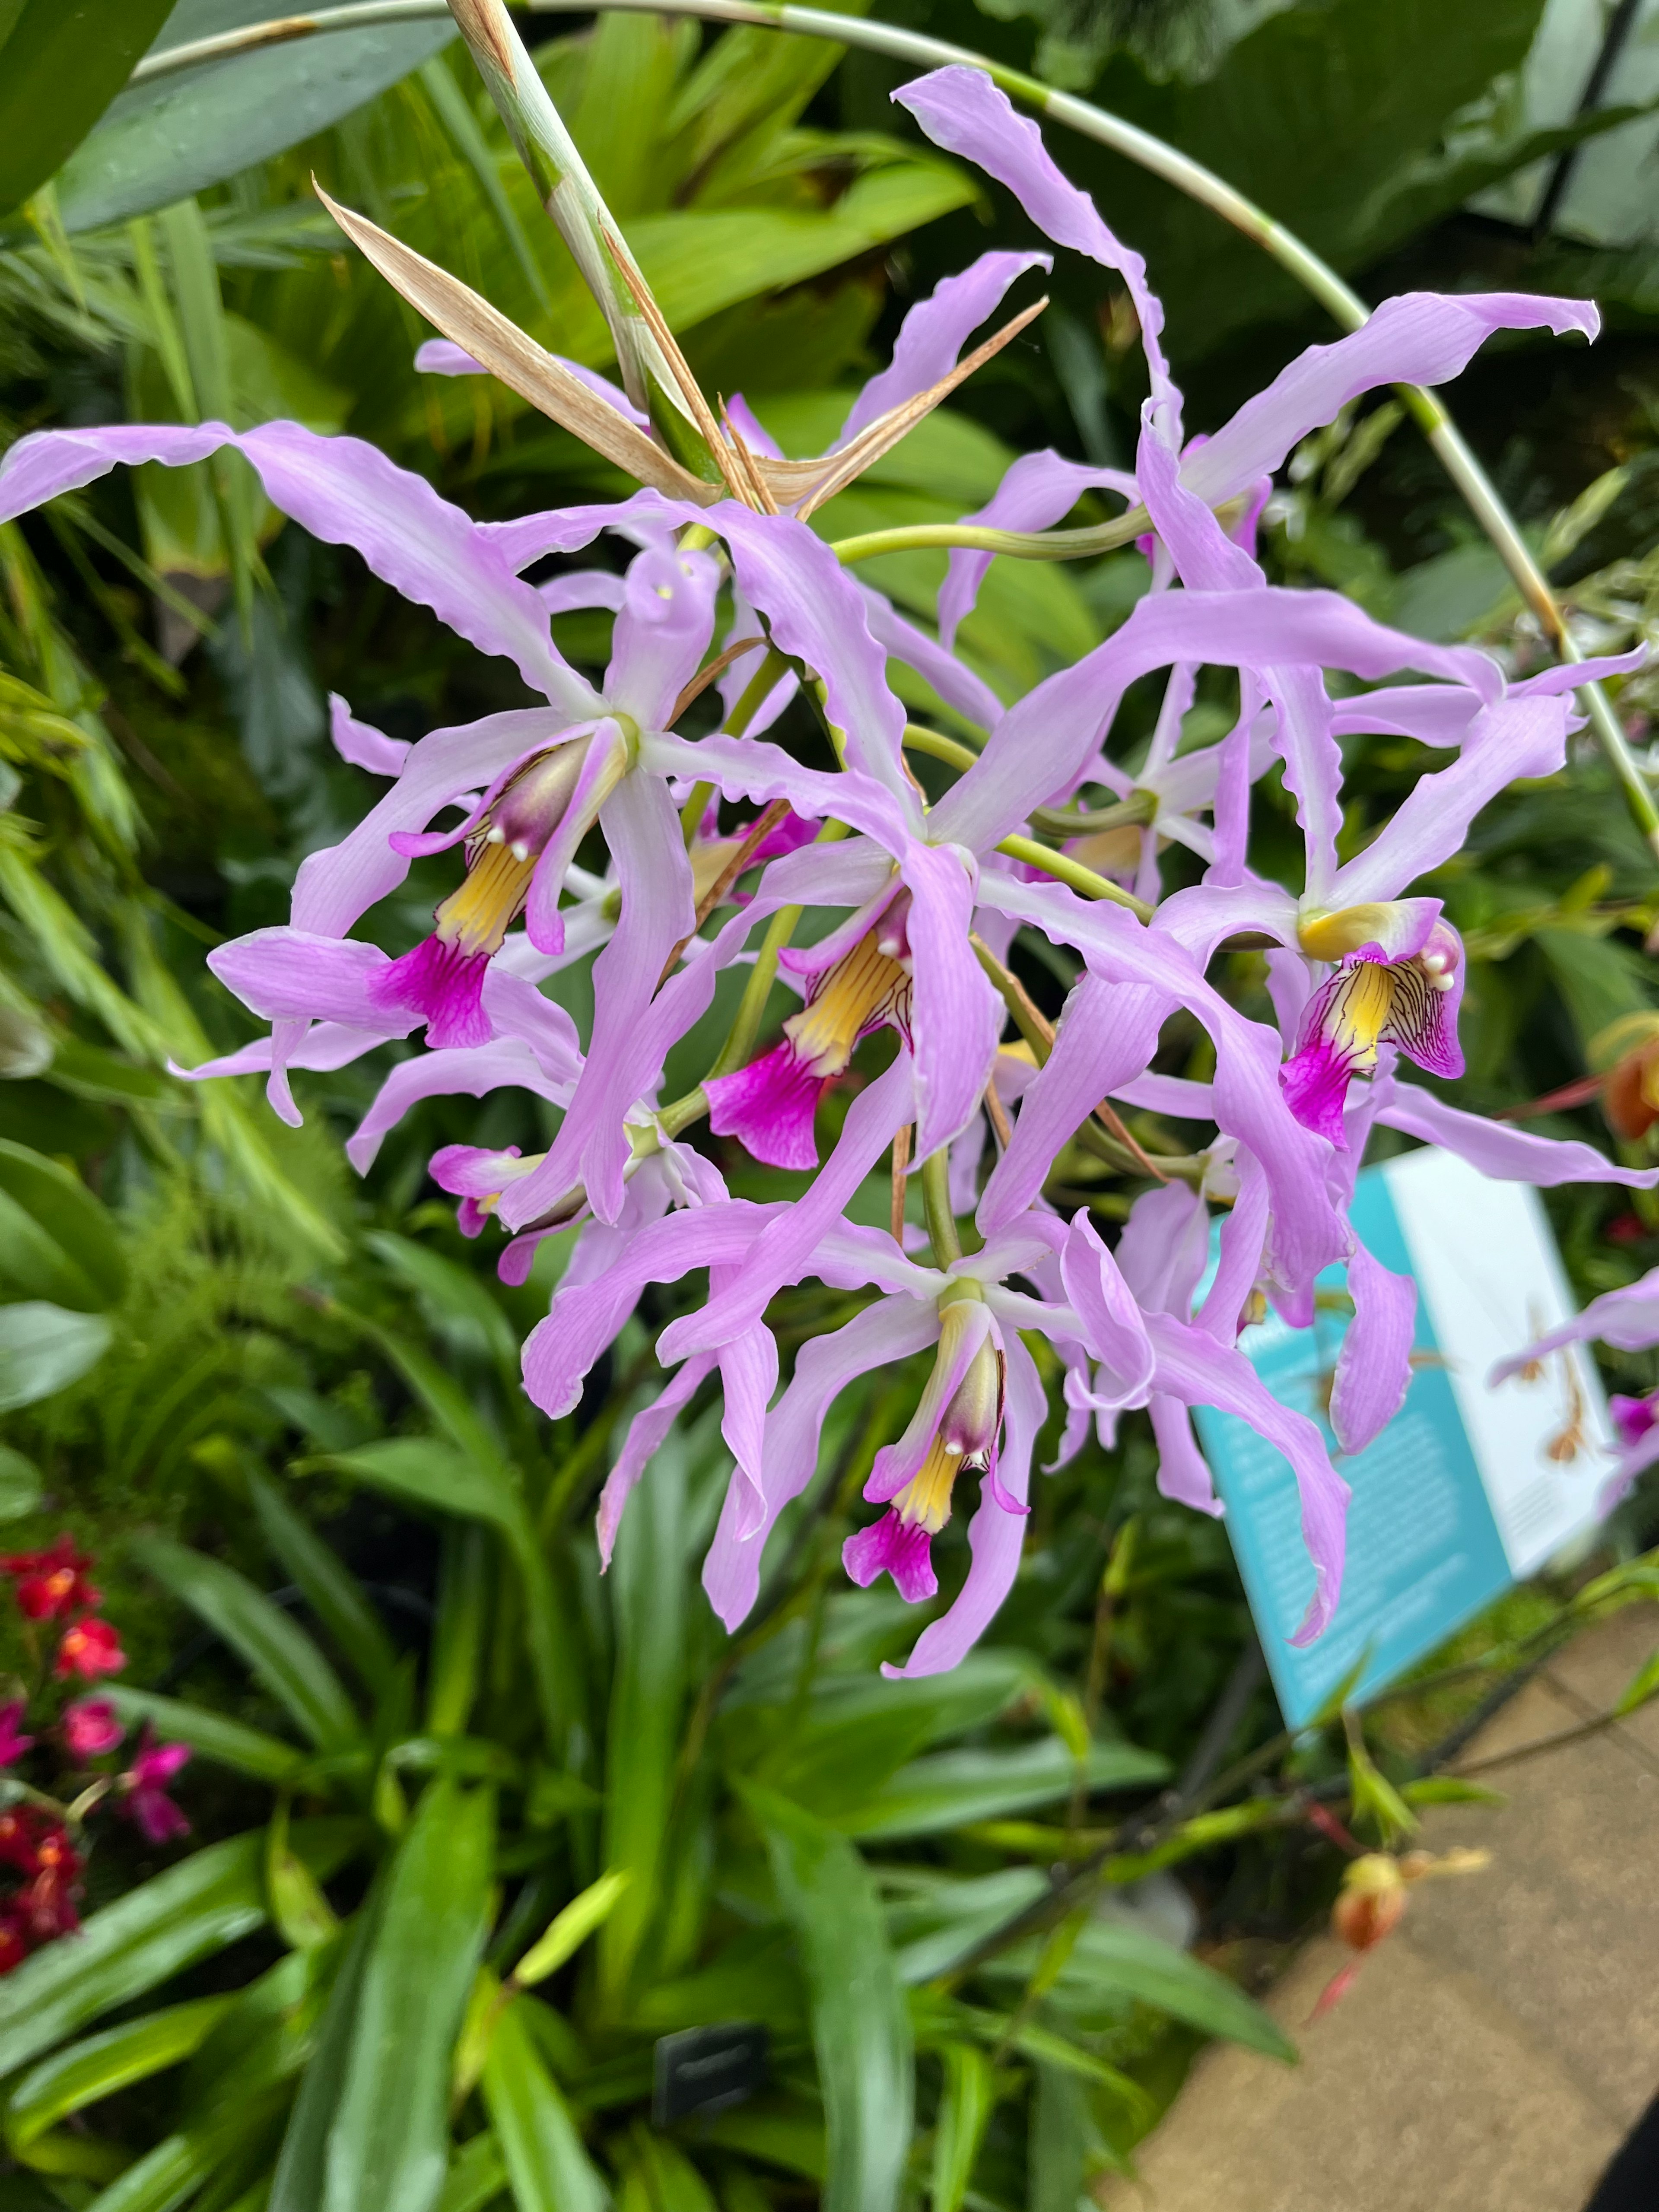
476, 2176
99, 2065
333, 1595
153, 1932
660, 2177
164, 140
648, 1577
19, 1484
85, 1265
964, 2108
388, 2146
423, 1471
952, 1788
1643, 1686
861, 2022
1112, 1959
62, 61
1061, 2134
1449, 1789
570, 1929
545, 2162
227, 1743
280, 1655
301, 2175
45, 1348
454, 1304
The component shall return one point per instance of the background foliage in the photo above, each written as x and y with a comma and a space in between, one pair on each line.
355, 1571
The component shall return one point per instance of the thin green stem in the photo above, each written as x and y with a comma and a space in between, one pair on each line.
1023, 544
936, 743
1073, 874
1131, 813
936, 1207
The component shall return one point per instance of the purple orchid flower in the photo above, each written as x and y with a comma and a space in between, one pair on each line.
1628, 1319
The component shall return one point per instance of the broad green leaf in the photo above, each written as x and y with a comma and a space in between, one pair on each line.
227, 1743
101, 2064
861, 2023
19, 1484
90, 1269
570, 1929
162, 141
964, 2108
388, 2146
780, 2132
62, 61
334, 1595
548, 2169
648, 1578
953, 1788
280, 1655
45, 1347
476, 2176
166, 2176
423, 1471
197, 1907
1112, 1959
1061, 2134
302, 2176
458, 1634
660, 2177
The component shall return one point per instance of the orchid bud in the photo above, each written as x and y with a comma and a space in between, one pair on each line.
1370, 1904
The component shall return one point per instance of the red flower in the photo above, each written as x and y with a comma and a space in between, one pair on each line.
14, 1946
52, 1583
89, 1727
12, 1744
17, 1839
147, 1800
90, 1649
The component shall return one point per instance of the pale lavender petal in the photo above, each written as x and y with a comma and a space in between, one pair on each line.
1374, 1365
337, 884
1047, 739
1201, 916
583, 587
361, 745
1567, 676
1248, 1101
750, 428
326, 1045
956, 1015
1244, 1240
1514, 738
736, 679
1627, 1319
1169, 1094
646, 516
1107, 1034
502, 1064
996, 1534
1499, 1150
956, 685
1192, 1367
443, 357
749, 768
1183, 1472
890, 1330
662, 632
647, 1432
1634, 1462
784, 1247
749, 1376
815, 609
932, 334
963, 110
292, 974
47, 462
1116, 1331
603, 765
629, 1041
1037, 491
584, 1317
1437, 715
517, 1008
1417, 337
1165, 1247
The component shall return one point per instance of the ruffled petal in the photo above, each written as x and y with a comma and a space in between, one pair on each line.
934, 331
1374, 1365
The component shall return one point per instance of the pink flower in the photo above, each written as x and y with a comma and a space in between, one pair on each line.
90, 1727
142, 1786
12, 1744
90, 1649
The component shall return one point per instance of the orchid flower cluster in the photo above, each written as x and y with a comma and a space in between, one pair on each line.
41, 1835
885, 908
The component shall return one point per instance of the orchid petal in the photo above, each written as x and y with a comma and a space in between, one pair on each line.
956, 1015
1498, 1150
1183, 1472
934, 331
749, 1376
646, 1433
662, 632
1036, 491
1103, 1301
1373, 1367
504, 1063
361, 745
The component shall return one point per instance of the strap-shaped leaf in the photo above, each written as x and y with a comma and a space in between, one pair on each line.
523, 366
277, 1650
59, 70
389, 2143
860, 2021
225, 1741
91, 1268
545, 2162
334, 1595
101, 2064
153, 1932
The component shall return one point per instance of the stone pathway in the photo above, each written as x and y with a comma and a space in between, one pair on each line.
1497, 2049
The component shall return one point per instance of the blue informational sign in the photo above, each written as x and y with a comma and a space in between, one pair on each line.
1469, 1488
